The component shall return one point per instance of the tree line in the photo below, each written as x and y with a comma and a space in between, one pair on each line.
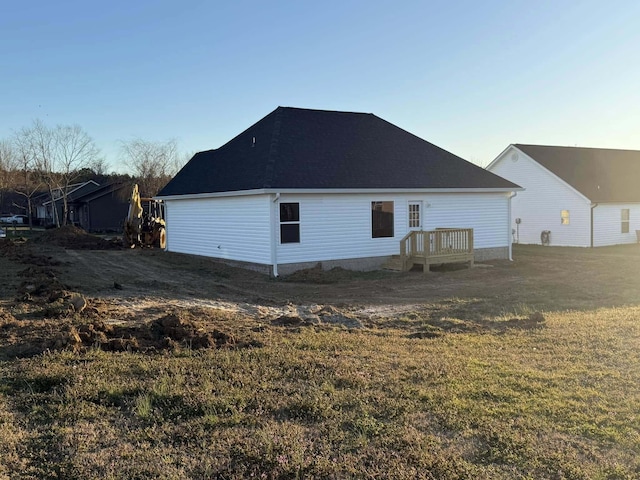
41, 159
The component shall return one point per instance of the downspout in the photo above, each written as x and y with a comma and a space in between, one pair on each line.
510, 235
274, 235
593, 205
166, 222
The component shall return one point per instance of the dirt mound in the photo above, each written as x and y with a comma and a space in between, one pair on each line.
7, 245
178, 327
6, 317
67, 339
25, 338
42, 289
332, 315
173, 331
38, 287
73, 237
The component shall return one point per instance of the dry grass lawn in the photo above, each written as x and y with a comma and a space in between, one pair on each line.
447, 376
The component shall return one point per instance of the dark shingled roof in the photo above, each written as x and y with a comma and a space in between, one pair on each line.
293, 148
602, 175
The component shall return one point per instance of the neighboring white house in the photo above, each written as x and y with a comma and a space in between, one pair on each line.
583, 197
306, 186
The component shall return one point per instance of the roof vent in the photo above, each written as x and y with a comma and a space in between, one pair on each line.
253, 142
514, 157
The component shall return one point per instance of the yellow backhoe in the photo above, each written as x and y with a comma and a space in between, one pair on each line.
144, 225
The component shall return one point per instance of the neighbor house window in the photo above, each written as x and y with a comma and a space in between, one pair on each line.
624, 217
564, 217
381, 219
289, 223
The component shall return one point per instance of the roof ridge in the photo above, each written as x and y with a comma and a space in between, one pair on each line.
322, 110
273, 149
575, 147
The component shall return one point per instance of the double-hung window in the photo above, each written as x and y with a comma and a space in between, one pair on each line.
289, 223
624, 220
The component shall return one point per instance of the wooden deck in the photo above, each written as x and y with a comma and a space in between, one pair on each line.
443, 245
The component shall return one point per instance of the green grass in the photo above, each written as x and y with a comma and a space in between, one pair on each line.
21, 231
559, 402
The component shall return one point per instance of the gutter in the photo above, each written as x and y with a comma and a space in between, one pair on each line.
268, 191
593, 205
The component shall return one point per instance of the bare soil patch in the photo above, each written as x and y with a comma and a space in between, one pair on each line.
70, 236
149, 300
97, 327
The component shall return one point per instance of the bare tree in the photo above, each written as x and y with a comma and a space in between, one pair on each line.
74, 149
7, 161
57, 156
36, 144
27, 180
99, 166
153, 164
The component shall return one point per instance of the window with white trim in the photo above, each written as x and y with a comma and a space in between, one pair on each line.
289, 223
564, 217
624, 220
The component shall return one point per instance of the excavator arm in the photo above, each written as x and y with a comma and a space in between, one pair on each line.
145, 228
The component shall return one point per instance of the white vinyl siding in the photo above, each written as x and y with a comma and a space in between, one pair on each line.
233, 228
332, 226
541, 204
338, 226
487, 214
606, 224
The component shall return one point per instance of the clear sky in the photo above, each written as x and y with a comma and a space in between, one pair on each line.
468, 76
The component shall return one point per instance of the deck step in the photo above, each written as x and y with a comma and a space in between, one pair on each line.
394, 263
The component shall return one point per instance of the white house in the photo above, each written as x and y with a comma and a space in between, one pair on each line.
584, 197
306, 186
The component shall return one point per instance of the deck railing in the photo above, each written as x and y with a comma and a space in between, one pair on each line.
437, 246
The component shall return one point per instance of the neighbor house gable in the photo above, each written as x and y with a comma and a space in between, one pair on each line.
73, 190
602, 175
114, 188
547, 202
506, 164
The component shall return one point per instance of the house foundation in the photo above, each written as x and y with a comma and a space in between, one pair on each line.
365, 264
